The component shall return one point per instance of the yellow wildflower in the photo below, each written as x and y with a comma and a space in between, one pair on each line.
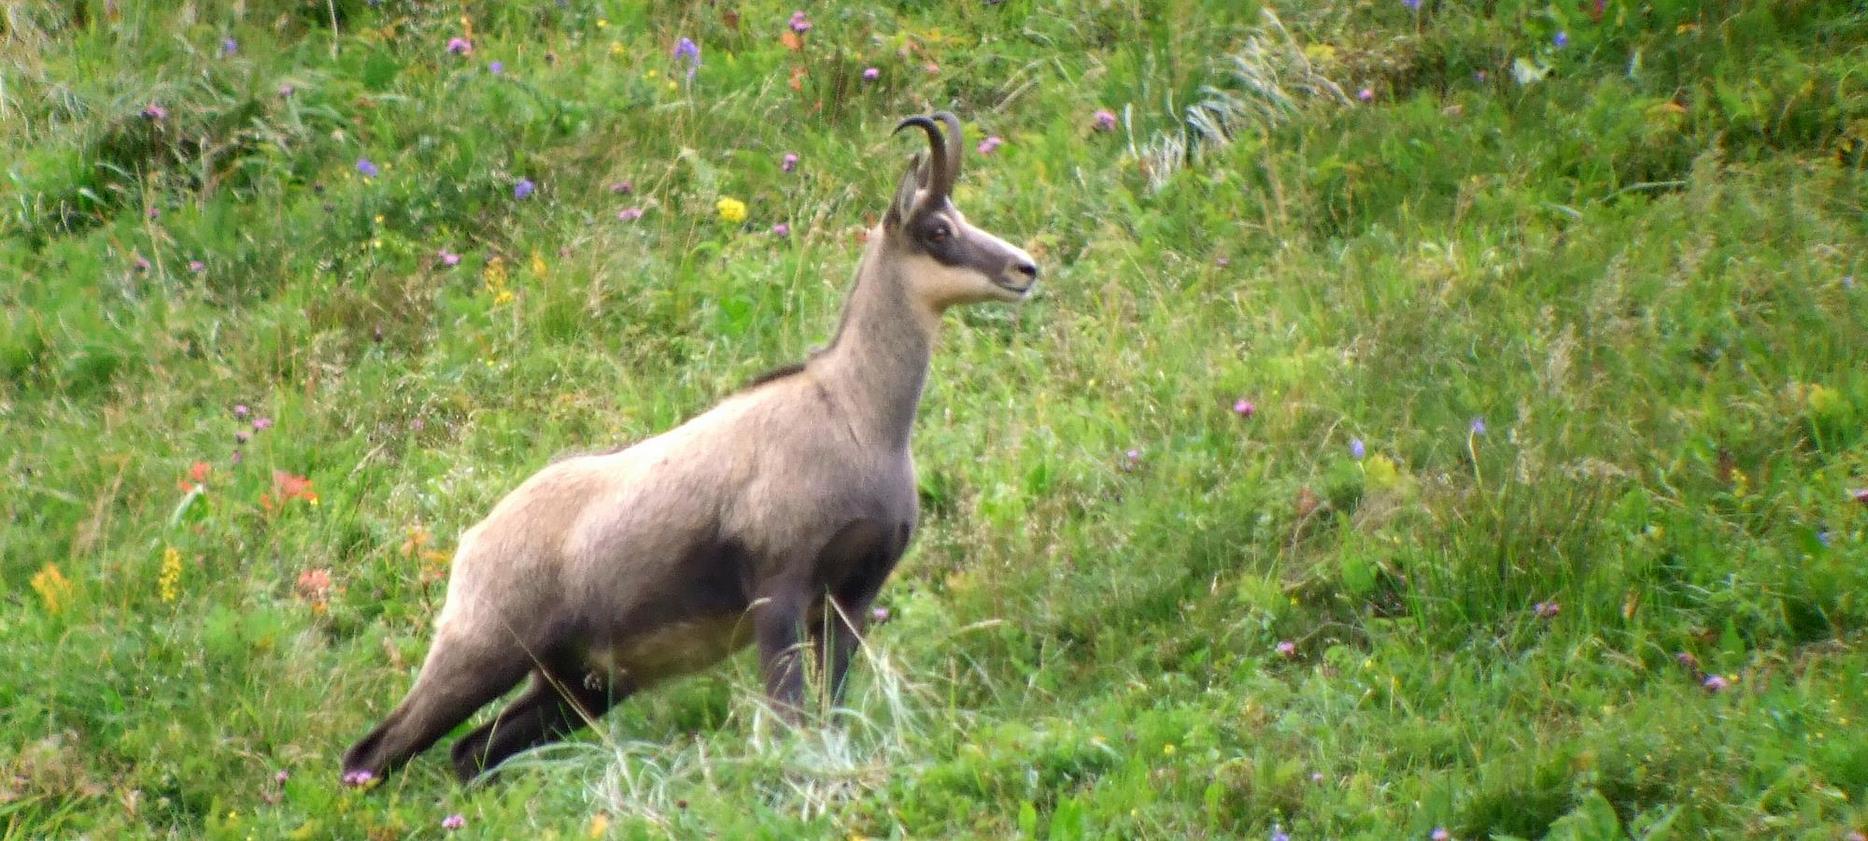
616, 48
496, 281
169, 583
1381, 472
1824, 400
599, 824
731, 209
53, 588
538, 265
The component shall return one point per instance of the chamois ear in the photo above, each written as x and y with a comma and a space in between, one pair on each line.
903, 205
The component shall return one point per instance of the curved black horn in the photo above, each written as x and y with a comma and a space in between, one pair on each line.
940, 176
956, 142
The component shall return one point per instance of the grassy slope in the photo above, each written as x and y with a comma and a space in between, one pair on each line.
1635, 271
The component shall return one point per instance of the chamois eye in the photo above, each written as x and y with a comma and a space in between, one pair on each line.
939, 233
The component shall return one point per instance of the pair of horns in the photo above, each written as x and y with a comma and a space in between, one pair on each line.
944, 151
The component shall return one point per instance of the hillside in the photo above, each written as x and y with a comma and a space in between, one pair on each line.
1441, 415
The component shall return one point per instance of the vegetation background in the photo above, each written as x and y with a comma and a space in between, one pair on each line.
1441, 416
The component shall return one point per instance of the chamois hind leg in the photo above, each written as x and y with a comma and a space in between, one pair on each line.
462, 674
554, 706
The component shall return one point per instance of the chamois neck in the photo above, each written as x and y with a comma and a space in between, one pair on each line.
877, 364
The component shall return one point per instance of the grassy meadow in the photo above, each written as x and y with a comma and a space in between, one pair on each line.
1440, 417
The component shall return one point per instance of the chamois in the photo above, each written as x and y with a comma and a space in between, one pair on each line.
771, 518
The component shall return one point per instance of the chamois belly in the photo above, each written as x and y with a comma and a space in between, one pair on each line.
677, 648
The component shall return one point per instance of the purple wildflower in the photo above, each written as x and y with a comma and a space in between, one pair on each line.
229, 46
523, 189
688, 51
1286, 648
622, 188
1278, 833
629, 214
1439, 833
1478, 425
1413, 5
241, 436
1546, 610
1316, 777
1104, 120
1860, 494
453, 822
460, 46
1480, 76
152, 111
368, 169
991, 143
197, 266
1686, 658
879, 615
141, 263
1848, 281
281, 777
781, 230
496, 68
1244, 408
1357, 449
153, 212
262, 424
1366, 94
1716, 684
799, 23
789, 162
357, 779
1131, 460
448, 258
871, 74
1222, 262
241, 411
286, 89
1561, 39
1822, 536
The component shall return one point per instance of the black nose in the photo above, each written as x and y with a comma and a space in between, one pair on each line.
1026, 268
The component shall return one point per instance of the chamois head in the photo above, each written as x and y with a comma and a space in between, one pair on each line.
946, 260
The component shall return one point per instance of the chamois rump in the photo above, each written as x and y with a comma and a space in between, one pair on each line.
773, 518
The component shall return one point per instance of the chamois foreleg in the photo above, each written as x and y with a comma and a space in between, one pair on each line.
835, 640
777, 629
555, 705
463, 673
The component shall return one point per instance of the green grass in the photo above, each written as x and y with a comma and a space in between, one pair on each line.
1631, 255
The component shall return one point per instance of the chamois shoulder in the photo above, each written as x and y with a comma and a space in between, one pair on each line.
779, 373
